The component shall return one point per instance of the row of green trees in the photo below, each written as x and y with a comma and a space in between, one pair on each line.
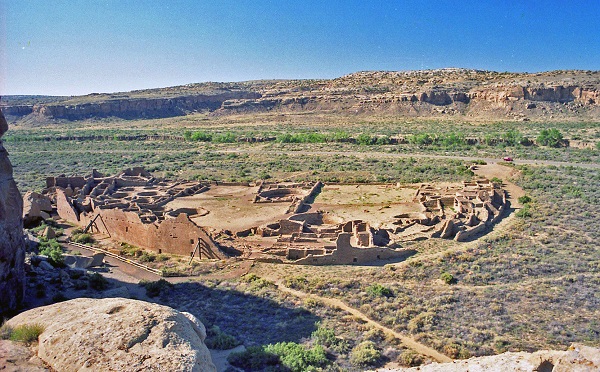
547, 137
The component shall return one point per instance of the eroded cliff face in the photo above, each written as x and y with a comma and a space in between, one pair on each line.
134, 108
406, 93
12, 245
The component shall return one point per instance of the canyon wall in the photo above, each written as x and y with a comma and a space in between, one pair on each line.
413, 93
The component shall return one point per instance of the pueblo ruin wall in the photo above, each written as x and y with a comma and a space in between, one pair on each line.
135, 208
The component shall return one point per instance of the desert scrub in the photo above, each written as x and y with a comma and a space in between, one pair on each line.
256, 283
447, 278
219, 340
524, 199
297, 357
377, 290
254, 358
27, 333
409, 358
53, 250
290, 355
98, 282
156, 288
326, 337
365, 354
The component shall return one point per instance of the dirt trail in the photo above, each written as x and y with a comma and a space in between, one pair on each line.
407, 341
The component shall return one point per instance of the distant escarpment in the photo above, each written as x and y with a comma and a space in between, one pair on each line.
429, 93
139, 107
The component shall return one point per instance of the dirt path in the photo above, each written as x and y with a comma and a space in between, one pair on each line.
333, 302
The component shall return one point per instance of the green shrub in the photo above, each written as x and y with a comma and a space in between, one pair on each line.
324, 336
198, 136
82, 238
147, 257
53, 250
410, 358
98, 282
421, 322
377, 290
5, 331
550, 137
254, 358
155, 288
447, 278
27, 333
524, 212
421, 139
219, 340
297, 357
365, 139
224, 138
524, 199
365, 354
257, 282
496, 180
162, 257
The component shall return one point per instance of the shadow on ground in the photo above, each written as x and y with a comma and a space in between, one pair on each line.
248, 317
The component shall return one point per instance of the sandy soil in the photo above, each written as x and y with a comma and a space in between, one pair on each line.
231, 208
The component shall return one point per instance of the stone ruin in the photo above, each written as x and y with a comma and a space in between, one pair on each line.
130, 207
133, 207
473, 207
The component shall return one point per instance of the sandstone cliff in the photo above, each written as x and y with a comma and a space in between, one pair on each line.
428, 93
12, 244
116, 334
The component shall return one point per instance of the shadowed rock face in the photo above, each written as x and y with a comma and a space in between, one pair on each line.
12, 245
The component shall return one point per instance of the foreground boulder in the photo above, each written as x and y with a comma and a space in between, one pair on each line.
12, 244
36, 207
117, 334
578, 358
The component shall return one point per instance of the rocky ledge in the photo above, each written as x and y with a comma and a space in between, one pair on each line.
117, 334
578, 358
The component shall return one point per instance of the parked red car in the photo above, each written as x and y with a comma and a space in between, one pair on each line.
507, 158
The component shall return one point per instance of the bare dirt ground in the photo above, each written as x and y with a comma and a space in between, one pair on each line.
376, 204
231, 208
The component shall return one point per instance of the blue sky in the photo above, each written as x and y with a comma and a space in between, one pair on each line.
68, 47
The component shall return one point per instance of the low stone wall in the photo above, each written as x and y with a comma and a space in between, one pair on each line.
463, 235
346, 254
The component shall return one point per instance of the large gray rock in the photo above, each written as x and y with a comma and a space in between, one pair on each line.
117, 334
578, 358
12, 244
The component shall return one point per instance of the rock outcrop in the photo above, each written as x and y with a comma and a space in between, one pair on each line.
15, 357
117, 334
12, 244
578, 358
423, 93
